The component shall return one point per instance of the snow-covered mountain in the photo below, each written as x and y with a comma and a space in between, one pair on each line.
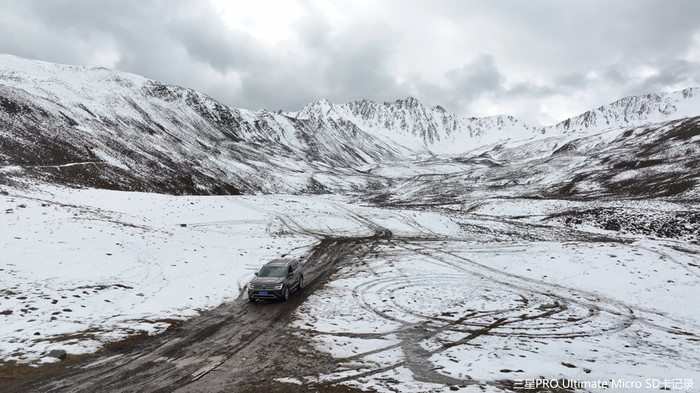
413, 126
634, 111
641, 163
98, 127
90, 126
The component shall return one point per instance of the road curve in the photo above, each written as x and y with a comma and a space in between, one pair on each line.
245, 334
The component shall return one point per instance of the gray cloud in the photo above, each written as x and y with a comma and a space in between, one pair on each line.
472, 57
673, 72
480, 76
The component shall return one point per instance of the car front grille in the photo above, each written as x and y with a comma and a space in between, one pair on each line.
262, 287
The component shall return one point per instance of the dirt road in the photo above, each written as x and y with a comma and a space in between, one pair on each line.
239, 346
510, 317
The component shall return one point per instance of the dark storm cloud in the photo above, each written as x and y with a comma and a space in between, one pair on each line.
573, 32
215, 45
133, 33
353, 61
340, 64
662, 73
475, 77
182, 42
500, 54
553, 48
673, 72
165, 40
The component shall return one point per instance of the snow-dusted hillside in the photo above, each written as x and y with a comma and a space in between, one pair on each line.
84, 269
412, 125
645, 162
97, 127
86, 126
634, 111
572, 241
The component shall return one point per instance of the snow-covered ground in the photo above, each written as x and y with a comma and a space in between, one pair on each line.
81, 267
85, 267
464, 299
518, 310
575, 310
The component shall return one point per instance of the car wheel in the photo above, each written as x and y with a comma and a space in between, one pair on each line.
285, 294
301, 283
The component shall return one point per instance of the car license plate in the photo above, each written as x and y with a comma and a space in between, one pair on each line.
262, 293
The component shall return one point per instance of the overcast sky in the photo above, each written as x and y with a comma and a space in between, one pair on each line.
538, 60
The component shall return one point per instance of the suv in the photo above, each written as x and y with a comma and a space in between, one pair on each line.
276, 280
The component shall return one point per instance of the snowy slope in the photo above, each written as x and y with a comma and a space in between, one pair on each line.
574, 242
84, 268
634, 111
87, 126
409, 123
97, 127
654, 161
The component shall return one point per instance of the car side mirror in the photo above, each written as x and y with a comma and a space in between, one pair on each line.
290, 274
256, 273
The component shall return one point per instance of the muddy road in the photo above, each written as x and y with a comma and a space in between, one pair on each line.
389, 311
240, 346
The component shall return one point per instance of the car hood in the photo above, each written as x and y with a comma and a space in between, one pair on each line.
267, 280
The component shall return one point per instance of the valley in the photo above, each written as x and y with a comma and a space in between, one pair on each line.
414, 299
443, 253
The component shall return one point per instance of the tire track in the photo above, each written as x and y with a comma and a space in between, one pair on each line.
182, 357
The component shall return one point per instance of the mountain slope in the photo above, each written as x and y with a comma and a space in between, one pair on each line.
640, 163
634, 111
87, 126
419, 129
96, 127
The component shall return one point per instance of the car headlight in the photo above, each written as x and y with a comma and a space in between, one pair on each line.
279, 286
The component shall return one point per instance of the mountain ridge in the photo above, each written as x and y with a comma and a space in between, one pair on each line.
99, 127
634, 111
421, 129
408, 117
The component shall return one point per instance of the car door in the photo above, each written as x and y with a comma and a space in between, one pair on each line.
294, 267
293, 276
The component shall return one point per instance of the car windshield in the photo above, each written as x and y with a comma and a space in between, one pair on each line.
273, 271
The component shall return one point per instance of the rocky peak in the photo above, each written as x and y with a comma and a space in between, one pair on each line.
632, 111
318, 109
408, 103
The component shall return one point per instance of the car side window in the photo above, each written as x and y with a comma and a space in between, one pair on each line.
291, 268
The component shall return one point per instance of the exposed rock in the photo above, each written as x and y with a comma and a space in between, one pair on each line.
58, 354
